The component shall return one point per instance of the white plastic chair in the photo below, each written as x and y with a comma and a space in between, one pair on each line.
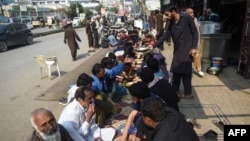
46, 63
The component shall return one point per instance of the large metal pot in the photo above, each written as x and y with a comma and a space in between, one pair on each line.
208, 27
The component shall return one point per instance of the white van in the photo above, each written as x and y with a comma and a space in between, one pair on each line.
76, 22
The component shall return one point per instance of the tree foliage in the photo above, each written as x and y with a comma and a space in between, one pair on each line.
15, 8
31, 9
87, 11
72, 9
143, 6
98, 8
113, 9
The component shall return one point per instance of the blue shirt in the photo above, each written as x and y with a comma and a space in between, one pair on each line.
96, 84
110, 75
106, 85
112, 40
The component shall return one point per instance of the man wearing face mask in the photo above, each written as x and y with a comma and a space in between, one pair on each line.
79, 118
185, 37
46, 128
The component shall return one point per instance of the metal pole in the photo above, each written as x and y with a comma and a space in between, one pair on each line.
77, 10
123, 7
20, 10
204, 8
1, 6
135, 7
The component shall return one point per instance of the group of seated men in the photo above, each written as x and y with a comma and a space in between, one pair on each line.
94, 98
118, 37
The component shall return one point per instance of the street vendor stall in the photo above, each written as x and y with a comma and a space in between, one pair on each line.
214, 43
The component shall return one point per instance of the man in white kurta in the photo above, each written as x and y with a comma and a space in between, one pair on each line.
71, 93
74, 119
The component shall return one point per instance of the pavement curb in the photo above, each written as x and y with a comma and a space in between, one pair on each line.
47, 33
60, 88
35, 35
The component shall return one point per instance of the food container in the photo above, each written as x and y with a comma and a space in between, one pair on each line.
138, 64
138, 61
138, 56
139, 53
141, 49
128, 84
209, 27
213, 70
217, 62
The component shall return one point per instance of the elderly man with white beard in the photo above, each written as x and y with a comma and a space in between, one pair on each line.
46, 128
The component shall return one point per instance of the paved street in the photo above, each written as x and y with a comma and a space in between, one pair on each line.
223, 97
20, 81
40, 30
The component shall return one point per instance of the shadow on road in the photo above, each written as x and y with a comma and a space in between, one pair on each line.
80, 56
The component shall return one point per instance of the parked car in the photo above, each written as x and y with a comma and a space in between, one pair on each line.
26, 20
121, 20
4, 19
16, 20
76, 22
29, 25
23, 17
12, 34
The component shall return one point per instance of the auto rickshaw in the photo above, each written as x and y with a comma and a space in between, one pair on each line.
38, 22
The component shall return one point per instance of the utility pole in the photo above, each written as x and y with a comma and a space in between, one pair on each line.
77, 9
124, 7
20, 12
204, 8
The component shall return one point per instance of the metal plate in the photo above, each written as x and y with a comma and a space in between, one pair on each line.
141, 49
213, 70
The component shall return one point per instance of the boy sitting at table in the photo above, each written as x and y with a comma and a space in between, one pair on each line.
150, 41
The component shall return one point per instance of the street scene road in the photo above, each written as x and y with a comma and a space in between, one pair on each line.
219, 94
40, 30
216, 97
20, 80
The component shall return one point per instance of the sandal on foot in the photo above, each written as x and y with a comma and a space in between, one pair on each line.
194, 122
219, 124
211, 135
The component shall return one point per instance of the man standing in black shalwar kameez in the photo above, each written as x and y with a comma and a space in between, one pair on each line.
94, 28
89, 34
183, 31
